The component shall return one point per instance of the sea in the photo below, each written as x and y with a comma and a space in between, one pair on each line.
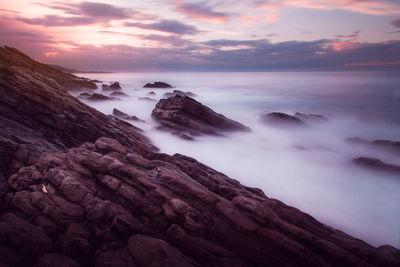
309, 168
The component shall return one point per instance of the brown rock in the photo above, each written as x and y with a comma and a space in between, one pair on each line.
186, 115
149, 251
99, 97
157, 85
55, 259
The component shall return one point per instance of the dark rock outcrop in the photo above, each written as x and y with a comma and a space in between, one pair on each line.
85, 95
157, 85
118, 94
104, 201
16, 61
123, 115
112, 87
186, 115
376, 164
38, 115
281, 119
89, 189
151, 93
149, 99
99, 97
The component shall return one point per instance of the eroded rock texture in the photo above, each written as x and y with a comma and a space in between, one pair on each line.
184, 115
38, 115
105, 203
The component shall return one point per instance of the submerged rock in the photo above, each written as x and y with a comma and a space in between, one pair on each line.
111, 87
376, 164
85, 95
181, 93
281, 119
125, 116
147, 99
186, 115
157, 85
178, 92
100, 97
118, 94
388, 145
151, 93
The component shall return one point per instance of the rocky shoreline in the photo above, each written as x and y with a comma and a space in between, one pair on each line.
82, 188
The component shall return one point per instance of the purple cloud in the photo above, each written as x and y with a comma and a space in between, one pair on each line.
199, 11
85, 13
171, 26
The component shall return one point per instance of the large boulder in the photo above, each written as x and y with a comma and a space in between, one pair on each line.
186, 115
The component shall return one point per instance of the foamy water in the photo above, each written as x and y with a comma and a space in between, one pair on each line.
308, 168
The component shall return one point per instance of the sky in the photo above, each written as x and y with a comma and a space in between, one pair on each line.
213, 35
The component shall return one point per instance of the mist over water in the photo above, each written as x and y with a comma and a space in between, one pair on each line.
308, 168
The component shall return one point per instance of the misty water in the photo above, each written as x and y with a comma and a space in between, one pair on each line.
309, 168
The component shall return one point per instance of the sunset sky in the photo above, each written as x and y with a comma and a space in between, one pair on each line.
217, 35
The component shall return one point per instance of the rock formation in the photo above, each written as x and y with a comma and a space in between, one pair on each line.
118, 94
392, 146
112, 87
157, 85
100, 97
185, 115
89, 189
376, 164
123, 115
281, 119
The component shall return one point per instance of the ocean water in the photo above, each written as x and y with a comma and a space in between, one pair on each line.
308, 168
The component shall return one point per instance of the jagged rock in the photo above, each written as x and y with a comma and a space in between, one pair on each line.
125, 116
100, 97
111, 87
311, 117
115, 86
147, 99
38, 115
186, 115
17, 62
154, 208
376, 164
118, 94
157, 85
280, 119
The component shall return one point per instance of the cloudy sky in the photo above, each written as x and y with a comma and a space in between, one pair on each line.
213, 35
